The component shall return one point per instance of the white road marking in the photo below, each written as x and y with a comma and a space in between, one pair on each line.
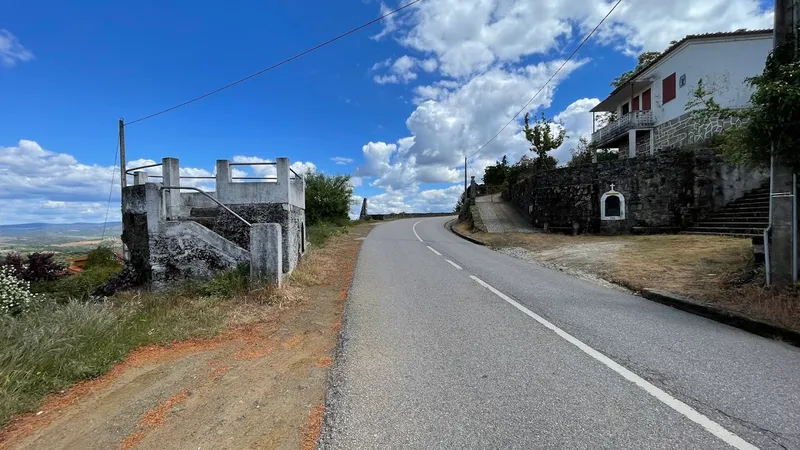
414, 229
433, 250
453, 264
679, 406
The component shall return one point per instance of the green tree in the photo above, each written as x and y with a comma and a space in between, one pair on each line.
543, 139
645, 59
772, 118
582, 154
328, 197
496, 175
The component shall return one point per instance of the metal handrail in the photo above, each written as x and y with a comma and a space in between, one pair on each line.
198, 178
295, 173
253, 164
254, 178
212, 199
128, 171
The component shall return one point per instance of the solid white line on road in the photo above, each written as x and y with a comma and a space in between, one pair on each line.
433, 250
453, 264
414, 229
679, 406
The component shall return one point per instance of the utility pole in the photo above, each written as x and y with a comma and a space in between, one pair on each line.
782, 214
465, 176
123, 179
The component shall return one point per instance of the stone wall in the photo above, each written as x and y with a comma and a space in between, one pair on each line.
687, 129
643, 142
664, 191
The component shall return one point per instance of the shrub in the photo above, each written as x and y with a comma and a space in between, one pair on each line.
101, 257
328, 197
228, 283
79, 286
41, 267
15, 294
14, 263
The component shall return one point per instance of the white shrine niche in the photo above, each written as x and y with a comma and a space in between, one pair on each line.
612, 205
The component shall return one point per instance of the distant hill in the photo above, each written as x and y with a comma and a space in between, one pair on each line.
44, 235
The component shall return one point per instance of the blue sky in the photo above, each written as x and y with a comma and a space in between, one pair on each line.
404, 99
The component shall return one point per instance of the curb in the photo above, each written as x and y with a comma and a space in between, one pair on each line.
449, 226
719, 315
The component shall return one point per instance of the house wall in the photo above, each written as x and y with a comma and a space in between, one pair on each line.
666, 191
723, 65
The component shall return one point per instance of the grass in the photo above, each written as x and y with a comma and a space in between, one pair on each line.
72, 339
320, 232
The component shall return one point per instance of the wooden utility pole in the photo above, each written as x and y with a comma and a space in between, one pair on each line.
123, 179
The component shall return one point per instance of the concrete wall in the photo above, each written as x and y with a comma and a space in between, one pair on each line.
667, 190
186, 250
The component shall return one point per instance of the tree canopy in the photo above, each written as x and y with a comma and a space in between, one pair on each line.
328, 197
645, 59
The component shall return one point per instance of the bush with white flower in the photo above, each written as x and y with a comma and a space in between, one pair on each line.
15, 294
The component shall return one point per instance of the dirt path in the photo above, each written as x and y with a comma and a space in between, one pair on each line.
259, 385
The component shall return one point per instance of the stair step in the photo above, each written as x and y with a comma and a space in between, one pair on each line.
751, 202
738, 219
701, 233
204, 212
733, 224
755, 208
207, 222
724, 230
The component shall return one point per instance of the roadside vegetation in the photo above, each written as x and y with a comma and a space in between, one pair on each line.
54, 331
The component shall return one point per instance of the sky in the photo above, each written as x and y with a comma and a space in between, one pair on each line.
397, 105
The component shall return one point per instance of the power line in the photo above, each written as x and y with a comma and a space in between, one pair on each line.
275, 66
110, 190
574, 52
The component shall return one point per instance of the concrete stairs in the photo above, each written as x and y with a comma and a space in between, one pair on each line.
745, 217
204, 216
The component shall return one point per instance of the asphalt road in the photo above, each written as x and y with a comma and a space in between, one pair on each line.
447, 344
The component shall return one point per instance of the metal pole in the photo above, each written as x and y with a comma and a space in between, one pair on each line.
123, 179
794, 227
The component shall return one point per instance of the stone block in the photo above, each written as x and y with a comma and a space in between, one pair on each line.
266, 254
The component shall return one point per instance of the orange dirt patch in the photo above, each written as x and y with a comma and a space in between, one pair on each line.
313, 427
273, 367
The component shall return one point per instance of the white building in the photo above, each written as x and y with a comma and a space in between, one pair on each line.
651, 107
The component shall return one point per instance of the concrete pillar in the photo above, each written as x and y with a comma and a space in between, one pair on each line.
266, 254
140, 177
282, 168
652, 142
780, 252
172, 177
632, 144
224, 180
473, 188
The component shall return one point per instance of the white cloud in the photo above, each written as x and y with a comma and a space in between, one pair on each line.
483, 52
341, 160
355, 181
577, 120
389, 24
11, 51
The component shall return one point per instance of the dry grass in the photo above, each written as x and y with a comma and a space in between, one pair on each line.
714, 269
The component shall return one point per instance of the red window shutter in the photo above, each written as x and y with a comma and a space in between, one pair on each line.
668, 88
646, 100
635, 102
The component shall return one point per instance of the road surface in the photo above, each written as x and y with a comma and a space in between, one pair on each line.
448, 344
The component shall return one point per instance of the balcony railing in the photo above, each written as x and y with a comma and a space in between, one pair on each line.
615, 129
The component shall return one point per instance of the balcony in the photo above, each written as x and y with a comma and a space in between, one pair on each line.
618, 128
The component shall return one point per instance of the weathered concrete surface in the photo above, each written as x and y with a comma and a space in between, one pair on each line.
186, 250
266, 259
500, 216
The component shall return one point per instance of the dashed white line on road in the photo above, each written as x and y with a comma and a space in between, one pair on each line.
433, 250
679, 406
414, 229
453, 264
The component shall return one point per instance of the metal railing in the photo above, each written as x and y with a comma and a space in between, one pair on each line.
166, 188
633, 119
130, 171
253, 164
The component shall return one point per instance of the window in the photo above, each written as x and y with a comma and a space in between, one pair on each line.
635, 102
668, 90
646, 100
625, 109
612, 206
682, 81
